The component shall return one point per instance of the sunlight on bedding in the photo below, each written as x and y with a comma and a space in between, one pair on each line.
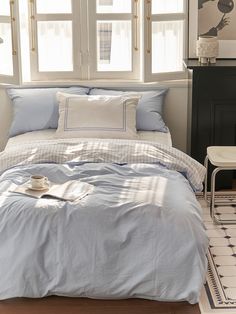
97, 148
6, 187
33, 154
47, 203
151, 152
3, 198
148, 190
140, 148
71, 150
104, 151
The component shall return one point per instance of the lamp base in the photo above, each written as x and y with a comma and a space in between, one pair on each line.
204, 60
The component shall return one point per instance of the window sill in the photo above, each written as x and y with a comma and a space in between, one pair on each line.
103, 83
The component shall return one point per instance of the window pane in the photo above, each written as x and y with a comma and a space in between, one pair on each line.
114, 46
6, 65
5, 7
53, 7
24, 40
167, 6
167, 46
55, 46
114, 6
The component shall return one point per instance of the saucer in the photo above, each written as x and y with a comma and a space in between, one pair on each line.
30, 187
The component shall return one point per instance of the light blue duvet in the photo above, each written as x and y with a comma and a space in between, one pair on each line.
139, 234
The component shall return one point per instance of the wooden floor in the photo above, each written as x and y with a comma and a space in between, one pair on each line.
61, 305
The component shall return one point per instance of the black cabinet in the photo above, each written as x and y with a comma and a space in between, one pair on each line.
212, 103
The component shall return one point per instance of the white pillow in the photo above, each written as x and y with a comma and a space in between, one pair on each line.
97, 116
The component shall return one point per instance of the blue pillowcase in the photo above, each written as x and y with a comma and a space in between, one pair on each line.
37, 108
149, 108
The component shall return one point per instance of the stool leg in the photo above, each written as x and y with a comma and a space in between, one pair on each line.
205, 181
212, 203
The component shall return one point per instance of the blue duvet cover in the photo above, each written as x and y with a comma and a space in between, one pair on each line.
139, 234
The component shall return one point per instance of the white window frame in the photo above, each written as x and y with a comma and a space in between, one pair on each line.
147, 53
34, 17
84, 19
134, 17
13, 19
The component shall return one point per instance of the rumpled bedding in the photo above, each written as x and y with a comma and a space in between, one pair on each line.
110, 151
139, 234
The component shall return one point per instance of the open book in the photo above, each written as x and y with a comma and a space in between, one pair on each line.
68, 191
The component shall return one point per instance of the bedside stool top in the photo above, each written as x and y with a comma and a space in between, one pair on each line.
222, 156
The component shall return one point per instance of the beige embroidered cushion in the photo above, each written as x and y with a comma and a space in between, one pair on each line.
100, 116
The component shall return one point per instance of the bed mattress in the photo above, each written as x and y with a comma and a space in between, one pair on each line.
159, 137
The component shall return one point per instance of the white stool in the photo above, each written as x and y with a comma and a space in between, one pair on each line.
223, 158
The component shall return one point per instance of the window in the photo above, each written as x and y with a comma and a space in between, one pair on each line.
9, 67
112, 33
166, 25
93, 39
54, 39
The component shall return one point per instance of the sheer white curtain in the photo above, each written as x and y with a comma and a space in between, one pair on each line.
55, 46
121, 46
6, 64
167, 46
122, 6
4, 7
52, 6
113, 6
114, 51
167, 6
6, 67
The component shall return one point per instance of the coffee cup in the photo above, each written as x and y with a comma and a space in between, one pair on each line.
38, 181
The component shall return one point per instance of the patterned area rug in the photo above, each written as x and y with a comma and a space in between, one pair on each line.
219, 293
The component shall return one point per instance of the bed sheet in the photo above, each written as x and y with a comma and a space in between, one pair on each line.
159, 137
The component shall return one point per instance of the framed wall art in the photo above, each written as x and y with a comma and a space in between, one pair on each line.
213, 18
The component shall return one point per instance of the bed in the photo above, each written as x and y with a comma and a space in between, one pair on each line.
138, 234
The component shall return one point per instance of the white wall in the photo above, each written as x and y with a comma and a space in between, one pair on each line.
5, 117
175, 115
